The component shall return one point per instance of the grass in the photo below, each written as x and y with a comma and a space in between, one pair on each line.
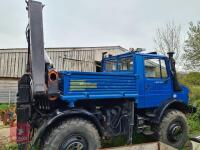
3, 107
194, 119
9, 146
194, 125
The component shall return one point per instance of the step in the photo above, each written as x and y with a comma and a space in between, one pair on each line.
151, 115
148, 132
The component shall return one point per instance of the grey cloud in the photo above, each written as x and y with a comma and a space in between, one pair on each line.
129, 23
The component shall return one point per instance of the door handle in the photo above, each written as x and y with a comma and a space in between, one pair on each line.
159, 82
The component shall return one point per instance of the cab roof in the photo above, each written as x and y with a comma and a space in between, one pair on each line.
135, 53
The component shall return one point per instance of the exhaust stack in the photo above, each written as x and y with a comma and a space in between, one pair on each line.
176, 84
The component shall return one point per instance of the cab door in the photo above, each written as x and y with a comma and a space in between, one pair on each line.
157, 83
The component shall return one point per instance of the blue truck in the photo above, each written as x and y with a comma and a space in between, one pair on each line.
135, 92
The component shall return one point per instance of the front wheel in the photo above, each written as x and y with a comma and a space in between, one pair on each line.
173, 129
74, 134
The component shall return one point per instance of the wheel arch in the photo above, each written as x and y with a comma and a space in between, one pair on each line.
77, 113
65, 115
170, 104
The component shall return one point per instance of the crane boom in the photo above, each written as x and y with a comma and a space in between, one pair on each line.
36, 46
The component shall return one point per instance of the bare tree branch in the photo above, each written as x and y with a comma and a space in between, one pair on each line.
167, 39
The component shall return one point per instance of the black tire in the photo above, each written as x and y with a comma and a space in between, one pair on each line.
73, 133
173, 129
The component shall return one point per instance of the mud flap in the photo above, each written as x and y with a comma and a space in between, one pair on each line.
23, 109
23, 127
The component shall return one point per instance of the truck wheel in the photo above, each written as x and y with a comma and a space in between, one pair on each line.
74, 134
173, 129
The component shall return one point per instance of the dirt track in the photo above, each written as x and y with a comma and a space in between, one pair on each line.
4, 135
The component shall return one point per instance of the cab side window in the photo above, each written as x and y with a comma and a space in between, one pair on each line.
111, 65
155, 68
163, 69
126, 64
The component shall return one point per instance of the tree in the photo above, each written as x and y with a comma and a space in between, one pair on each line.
192, 48
167, 39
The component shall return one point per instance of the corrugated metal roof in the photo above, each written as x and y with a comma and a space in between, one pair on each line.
13, 61
13, 64
70, 48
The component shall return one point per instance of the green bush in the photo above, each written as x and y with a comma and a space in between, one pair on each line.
194, 125
192, 81
194, 119
194, 93
3, 107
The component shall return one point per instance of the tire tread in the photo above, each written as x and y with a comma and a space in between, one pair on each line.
66, 124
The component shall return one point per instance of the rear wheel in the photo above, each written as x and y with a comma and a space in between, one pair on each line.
173, 129
74, 134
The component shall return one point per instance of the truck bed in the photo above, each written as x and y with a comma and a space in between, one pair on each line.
97, 85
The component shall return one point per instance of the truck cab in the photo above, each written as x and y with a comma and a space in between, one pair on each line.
154, 77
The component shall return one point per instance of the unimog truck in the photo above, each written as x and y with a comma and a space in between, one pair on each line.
135, 92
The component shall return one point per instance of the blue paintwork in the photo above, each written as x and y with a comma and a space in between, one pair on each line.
133, 85
183, 95
157, 89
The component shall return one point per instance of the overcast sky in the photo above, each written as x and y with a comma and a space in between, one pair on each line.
129, 23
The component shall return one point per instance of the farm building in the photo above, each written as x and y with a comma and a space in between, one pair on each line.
13, 64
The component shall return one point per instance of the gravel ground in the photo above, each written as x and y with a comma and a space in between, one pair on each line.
5, 139
4, 134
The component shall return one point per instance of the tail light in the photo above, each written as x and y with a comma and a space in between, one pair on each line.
53, 84
53, 75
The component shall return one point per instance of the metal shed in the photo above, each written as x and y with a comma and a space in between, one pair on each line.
13, 63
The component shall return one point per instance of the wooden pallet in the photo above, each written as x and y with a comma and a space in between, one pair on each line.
195, 143
145, 146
